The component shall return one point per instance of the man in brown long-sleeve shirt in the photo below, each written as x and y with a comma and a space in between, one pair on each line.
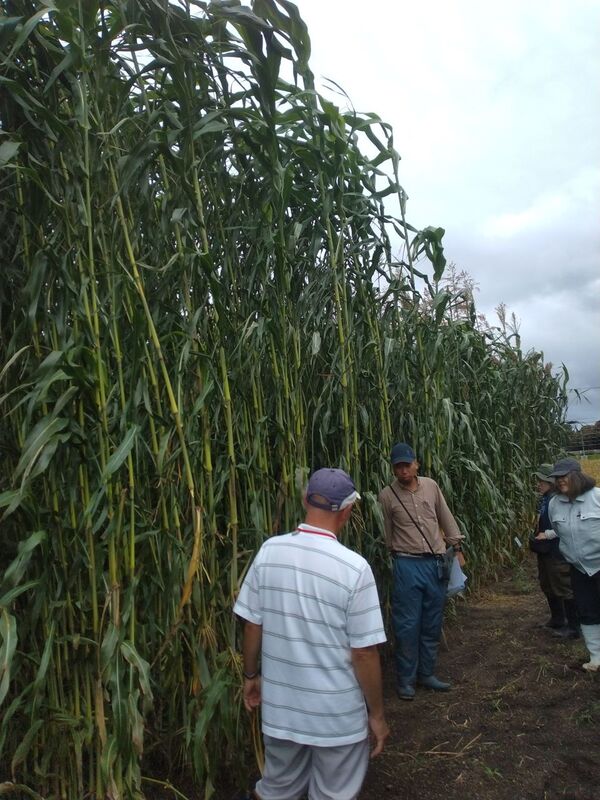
418, 528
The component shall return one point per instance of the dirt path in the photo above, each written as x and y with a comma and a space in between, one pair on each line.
521, 723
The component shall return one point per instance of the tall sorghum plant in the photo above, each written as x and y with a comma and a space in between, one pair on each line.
198, 305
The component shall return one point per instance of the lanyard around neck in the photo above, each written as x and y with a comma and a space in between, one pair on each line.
302, 529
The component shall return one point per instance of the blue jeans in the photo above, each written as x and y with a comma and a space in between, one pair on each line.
418, 599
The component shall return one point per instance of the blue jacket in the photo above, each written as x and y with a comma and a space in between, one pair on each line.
577, 523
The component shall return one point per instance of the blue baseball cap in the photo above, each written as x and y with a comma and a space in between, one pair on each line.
331, 490
564, 466
403, 453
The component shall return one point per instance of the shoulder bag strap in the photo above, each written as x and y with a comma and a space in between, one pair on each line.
413, 520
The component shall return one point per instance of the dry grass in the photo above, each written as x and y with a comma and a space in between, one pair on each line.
591, 466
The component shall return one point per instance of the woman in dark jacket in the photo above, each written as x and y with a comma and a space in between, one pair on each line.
553, 570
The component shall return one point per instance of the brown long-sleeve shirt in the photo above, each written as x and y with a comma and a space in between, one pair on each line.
428, 508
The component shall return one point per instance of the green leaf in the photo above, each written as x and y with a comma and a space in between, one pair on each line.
316, 343
8, 497
27, 28
11, 595
109, 755
142, 667
108, 646
136, 722
40, 676
217, 688
72, 58
8, 150
35, 282
41, 434
8, 634
8, 788
25, 745
16, 569
440, 303
121, 453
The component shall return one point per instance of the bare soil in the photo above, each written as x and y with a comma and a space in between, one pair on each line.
522, 721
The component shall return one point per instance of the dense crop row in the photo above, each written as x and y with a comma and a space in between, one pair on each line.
199, 304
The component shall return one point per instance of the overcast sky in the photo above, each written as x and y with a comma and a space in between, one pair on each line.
496, 115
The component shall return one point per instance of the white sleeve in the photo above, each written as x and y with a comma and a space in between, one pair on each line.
364, 620
248, 604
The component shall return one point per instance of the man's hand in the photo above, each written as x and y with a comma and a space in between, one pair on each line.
251, 652
367, 668
379, 733
252, 695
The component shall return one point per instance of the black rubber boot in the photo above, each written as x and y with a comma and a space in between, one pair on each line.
571, 612
571, 629
558, 617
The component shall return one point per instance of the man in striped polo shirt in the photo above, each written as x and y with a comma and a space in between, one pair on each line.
312, 619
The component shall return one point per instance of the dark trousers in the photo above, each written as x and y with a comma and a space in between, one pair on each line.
586, 590
418, 599
555, 576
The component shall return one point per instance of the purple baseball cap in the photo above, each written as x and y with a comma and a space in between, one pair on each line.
331, 490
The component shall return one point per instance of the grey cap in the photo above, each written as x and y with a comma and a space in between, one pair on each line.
544, 473
564, 466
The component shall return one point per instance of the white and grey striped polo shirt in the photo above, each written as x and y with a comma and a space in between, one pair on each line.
315, 599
